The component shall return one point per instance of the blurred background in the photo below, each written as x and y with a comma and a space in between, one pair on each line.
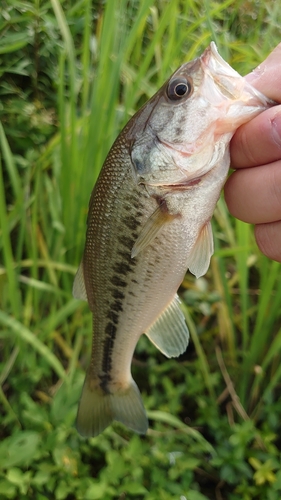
71, 75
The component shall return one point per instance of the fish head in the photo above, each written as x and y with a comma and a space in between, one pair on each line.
182, 132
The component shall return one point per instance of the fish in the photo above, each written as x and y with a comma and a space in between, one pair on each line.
149, 221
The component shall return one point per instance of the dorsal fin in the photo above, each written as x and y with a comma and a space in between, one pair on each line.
79, 288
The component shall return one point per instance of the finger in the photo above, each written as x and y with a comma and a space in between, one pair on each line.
254, 194
261, 136
259, 141
266, 77
268, 237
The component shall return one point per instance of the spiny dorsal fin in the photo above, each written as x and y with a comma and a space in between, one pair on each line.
201, 253
153, 225
79, 289
169, 333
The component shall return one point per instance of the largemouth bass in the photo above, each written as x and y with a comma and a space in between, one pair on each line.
149, 221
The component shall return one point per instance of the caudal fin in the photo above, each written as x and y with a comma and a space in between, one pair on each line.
97, 410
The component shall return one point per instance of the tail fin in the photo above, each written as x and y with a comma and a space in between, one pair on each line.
97, 410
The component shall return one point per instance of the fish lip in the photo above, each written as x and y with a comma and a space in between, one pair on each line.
221, 73
226, 79
212, 51
214, 63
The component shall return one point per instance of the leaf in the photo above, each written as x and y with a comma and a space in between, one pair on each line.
195, 495
15, 475
7, 489
19, 449
27, 336
13, 42
96, 491
134, 489
173, 421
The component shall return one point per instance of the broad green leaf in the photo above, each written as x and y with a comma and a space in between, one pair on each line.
19, 449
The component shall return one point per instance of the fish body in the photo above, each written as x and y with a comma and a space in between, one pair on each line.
149, 221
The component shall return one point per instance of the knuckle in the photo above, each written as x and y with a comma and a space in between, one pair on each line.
275, 184
247, 148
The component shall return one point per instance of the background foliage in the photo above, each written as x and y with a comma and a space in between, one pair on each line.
71, 75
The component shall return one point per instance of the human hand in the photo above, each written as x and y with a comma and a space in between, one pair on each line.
253, 191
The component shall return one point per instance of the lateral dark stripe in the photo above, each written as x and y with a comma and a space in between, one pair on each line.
113, 316
116, 306
110, 330
104, 381
115, 280
120, 272
108, 346
123, 267
131, 222
126, 241
125, 255
117, 294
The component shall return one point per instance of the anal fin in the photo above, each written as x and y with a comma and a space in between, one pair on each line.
169, 333
201, 253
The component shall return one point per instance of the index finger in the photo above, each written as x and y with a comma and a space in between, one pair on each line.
259, 141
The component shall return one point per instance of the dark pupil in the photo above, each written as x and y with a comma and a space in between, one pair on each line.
180, 89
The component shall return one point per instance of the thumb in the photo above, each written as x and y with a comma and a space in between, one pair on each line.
267, 76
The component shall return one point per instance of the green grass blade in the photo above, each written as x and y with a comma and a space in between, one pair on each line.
200, 353
28, 337
10, 165
8, 251
243, 235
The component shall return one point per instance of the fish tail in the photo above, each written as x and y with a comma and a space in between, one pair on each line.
97, 409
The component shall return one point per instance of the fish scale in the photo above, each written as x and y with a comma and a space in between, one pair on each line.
149, 221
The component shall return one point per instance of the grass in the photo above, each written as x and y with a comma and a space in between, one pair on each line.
72, 74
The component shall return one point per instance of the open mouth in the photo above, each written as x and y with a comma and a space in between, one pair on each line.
176, 186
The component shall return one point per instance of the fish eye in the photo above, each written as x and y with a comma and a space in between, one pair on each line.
179, 88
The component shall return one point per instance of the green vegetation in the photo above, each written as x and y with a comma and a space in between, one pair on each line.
71, 74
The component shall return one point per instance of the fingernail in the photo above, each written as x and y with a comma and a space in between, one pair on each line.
255, 74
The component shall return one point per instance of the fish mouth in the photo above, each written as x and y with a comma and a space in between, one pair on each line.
211, 55
228, 81
176, 186
212, 51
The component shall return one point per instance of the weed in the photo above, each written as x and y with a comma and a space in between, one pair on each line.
72, 73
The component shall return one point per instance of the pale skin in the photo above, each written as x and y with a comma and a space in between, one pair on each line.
253, 191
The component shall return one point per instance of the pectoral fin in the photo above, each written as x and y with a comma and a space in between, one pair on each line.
79, 289
200, 256
169, 333
152, 227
